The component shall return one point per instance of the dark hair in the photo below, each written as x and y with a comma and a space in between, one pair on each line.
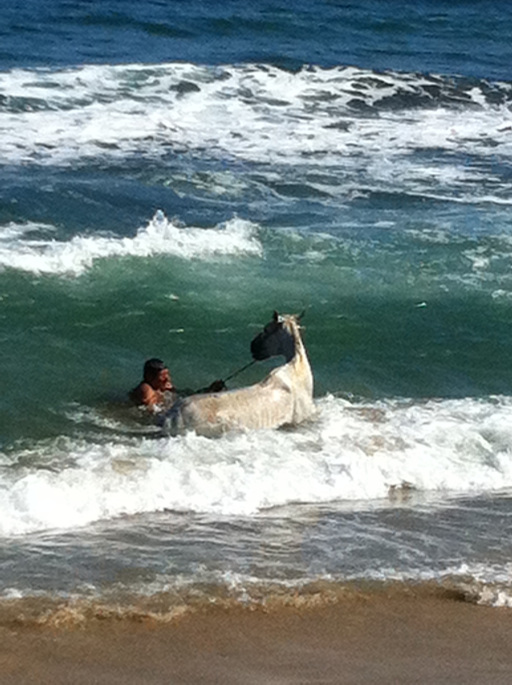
153, 367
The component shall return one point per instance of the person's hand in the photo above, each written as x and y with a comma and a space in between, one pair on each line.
217, 386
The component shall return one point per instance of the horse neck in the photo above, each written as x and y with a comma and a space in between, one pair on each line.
300, 350
299, 364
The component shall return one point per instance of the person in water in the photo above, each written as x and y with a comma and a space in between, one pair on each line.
156, 382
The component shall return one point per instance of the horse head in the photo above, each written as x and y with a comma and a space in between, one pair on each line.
276, 339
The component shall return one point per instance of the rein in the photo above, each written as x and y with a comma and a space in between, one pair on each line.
232, 375
235, 373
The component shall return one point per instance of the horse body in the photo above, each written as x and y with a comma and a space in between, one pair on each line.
285, 396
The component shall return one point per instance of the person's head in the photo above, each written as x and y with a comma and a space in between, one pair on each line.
157, 374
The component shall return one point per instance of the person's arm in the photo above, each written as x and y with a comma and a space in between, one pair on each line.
143, 394
216, 386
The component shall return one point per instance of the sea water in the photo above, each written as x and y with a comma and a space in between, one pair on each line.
172, 173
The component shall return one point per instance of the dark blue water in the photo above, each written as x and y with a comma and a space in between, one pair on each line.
468, 38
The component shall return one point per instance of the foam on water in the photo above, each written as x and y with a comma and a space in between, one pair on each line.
478, 583
353, 452
251, 112
20, 250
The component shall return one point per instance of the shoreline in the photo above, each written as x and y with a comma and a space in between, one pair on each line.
385, 637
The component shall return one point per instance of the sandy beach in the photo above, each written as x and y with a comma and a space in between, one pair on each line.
373, 638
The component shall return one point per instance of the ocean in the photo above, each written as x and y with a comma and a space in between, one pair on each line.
170, 174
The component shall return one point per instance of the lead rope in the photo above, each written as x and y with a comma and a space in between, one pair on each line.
235, 373
232, 375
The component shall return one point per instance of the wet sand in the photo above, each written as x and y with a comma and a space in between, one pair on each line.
368, 639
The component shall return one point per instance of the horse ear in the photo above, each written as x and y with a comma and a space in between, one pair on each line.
276, 315
301, 315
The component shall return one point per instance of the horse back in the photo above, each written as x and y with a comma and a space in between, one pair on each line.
264, 405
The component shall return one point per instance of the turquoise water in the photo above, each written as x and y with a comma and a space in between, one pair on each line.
172, 174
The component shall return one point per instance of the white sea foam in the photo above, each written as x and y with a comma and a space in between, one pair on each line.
249, 112
352, 452
20, 250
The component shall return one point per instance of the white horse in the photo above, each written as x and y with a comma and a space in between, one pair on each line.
285, 396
